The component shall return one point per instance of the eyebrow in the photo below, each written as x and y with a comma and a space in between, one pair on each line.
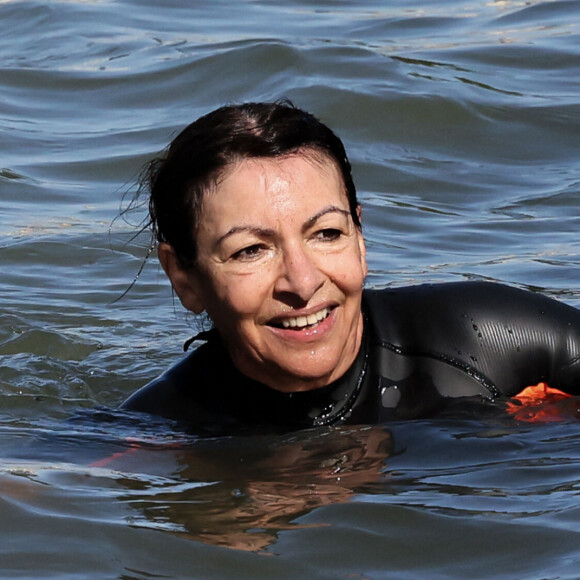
323, 212
256, 230
267, 232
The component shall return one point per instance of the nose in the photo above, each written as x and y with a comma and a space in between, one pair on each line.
300, 276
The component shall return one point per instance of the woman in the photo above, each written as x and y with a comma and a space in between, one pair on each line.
258, 224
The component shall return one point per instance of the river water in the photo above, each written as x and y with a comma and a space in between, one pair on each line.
462, 120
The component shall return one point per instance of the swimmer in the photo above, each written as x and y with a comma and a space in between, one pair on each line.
257, 224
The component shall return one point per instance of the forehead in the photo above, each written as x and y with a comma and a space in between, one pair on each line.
304, 176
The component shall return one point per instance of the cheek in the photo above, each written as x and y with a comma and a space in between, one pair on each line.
350, 272
239, 298
363, 256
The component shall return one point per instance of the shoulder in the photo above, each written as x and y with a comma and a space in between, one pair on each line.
464, 291
463, 309
179, 392
463, 298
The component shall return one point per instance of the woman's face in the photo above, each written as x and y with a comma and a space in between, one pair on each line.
280, 270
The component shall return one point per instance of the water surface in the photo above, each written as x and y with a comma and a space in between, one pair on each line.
462, 120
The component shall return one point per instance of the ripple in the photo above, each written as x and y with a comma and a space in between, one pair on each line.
462, 122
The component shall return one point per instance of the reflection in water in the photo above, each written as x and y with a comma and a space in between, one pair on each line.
141, 492
241, 492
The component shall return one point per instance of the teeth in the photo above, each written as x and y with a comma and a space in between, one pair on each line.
302, 321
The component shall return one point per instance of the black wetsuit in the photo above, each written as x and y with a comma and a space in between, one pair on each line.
423, 347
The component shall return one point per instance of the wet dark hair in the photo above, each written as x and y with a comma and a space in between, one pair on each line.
192, 164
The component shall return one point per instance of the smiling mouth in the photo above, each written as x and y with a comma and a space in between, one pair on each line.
300, 322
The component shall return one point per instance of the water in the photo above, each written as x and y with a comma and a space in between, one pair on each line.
462, 119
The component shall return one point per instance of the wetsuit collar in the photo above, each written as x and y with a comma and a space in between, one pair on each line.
251, 402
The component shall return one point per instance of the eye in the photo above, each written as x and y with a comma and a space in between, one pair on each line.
249, 253
328, 234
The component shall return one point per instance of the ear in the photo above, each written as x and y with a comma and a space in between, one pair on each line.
184, 282
361, 243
